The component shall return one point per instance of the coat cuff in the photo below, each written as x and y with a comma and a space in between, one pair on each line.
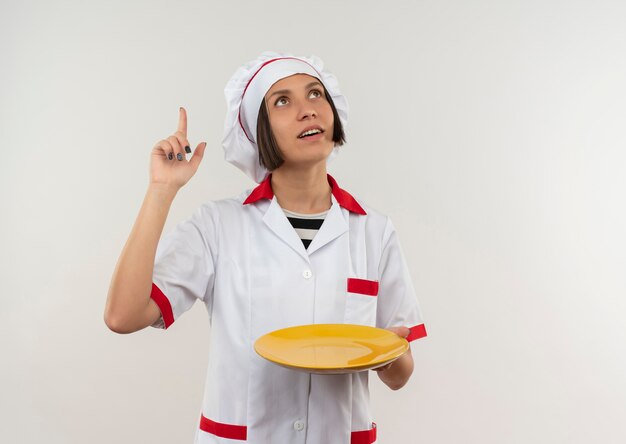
164, 305
416, 332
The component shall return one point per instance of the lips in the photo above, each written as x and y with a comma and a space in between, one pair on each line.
310, 128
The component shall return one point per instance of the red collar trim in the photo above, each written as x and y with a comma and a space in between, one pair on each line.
262, 191
345, 199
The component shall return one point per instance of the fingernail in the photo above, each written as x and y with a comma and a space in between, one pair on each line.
170, 156
187, 149
179, 156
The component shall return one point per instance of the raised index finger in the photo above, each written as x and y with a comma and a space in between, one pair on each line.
182, 121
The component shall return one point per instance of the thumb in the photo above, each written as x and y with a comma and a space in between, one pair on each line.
403, 332
197, 156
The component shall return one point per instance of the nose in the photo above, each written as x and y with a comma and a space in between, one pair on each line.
306, 111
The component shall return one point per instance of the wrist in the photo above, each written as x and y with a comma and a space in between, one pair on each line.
163, 191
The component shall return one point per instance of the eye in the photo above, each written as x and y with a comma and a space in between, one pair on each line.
280, 101
315, 93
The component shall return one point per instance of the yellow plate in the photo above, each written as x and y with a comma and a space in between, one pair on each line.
331, 348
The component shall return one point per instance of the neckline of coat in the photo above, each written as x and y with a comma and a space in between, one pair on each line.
344, 199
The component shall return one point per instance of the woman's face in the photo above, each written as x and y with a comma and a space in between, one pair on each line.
296, 104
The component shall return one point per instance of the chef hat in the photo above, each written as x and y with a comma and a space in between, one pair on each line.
244, 93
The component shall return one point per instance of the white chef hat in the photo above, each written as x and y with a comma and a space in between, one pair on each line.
244, 93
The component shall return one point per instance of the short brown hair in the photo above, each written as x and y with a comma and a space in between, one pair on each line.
269, 154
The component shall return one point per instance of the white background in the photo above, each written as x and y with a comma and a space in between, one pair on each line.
492, 133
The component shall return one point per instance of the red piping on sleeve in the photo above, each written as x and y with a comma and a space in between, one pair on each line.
164, 305
417, 332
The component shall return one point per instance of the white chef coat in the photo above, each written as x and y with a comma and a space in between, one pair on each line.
246, 263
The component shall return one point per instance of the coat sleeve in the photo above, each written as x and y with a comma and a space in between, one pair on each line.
184, 266
397, 302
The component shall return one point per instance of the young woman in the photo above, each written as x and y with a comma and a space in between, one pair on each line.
295, 250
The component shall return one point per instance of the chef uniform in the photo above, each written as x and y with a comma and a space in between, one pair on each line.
242, 258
